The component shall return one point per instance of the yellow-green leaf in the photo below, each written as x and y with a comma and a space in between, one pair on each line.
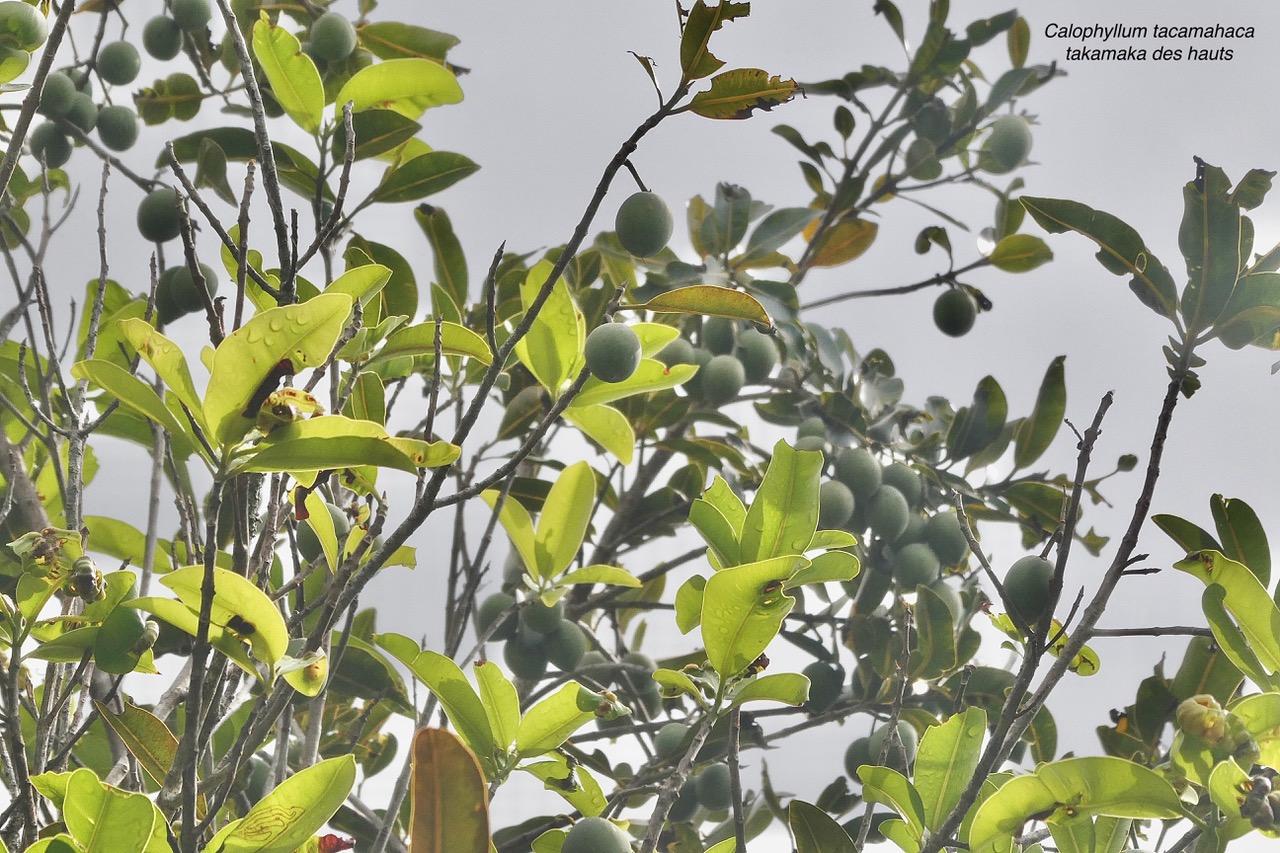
238, 606
408, 86
249, 361
607, 427
294, 80
738, 93
710, 300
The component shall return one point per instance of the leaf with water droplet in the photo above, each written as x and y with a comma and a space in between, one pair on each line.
742, 611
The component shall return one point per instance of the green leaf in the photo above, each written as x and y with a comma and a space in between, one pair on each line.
1020, 253
721, 495
566, 512
716, 530
238, 606
784, 513
408, 86
677, 680
789, 688
833, 566
393, 40
1209, 238
550, 722
978, 425
294, 80
775, 230
450, 800
696, 59
335, 441
515, 519
297, 809
1232, 641
501, 704
815, 831
424, 175
552, 350
1188, 536
742, 611
1090, 786
738, 93
361, 283
419, 340
167, 360
446, 680
133, 393
249, 361
103, 819
450, 260
1121, 249
599, 573
575, 783
650, 376
121, 540
145, 736
1243, 537
187, 620
845, 241
607, 427
1245, 598
376, 131
689, 598
935, 651
1252, 316
946, 761
1260, 715
710, 300
888, 786
1036, 432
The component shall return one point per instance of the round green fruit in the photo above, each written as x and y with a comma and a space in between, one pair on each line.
858, 754
1026, 585
887, 513
182, 289
162, 37
943, 534
489, 611
525, 655
758, 354
914, 565
825, 683
701, 358
718, 335
906, 734
859, 469
811, 443
190, 14
57, 95
613, 352
669, 739
333, 38
835, 505
812, 426
118, 127
679, 351
644, 224
639, 671
714, 789
119, 63
83, 113
22, 26
50, 145
950, 596
913, 532
159, 217
566, 645
685, 806
1007, 146
954, 312
308, 542
905, 479
722, 379
538, 617
596, 835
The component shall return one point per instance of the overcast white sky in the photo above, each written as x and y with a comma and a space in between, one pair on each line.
552, 90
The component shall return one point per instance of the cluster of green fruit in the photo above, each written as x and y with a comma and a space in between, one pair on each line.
534, 637
162, 35
709, 789
160, 220
732, 355
67, 103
